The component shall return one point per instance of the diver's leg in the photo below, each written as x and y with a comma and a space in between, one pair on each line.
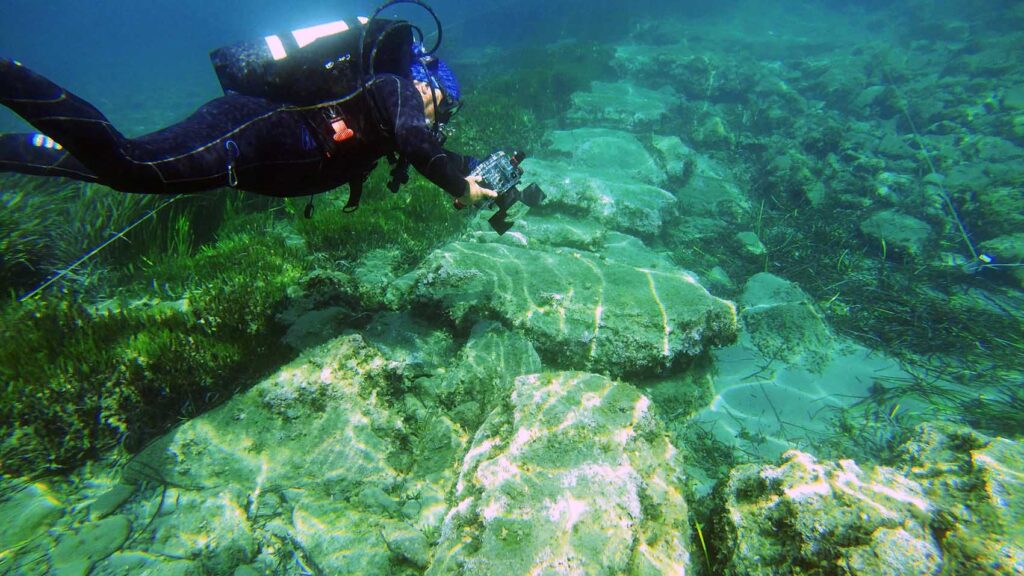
77, 125
234, 140
241, 141
40, 155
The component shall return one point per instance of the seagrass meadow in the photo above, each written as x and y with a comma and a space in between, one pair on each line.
768, 320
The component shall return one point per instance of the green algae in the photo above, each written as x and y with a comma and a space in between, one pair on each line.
81, 380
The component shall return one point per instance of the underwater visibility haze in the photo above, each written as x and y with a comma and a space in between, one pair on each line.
759, 311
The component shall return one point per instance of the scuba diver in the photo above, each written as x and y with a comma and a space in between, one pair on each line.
302, 113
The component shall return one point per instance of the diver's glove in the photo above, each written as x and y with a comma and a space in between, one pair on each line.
475, 193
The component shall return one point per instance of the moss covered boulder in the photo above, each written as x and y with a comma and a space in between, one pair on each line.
608, 175
1007, 252
808, 517
322, 456
573, 475
580, 310
951, 504
781, 321
623, 104
607, 153
894, 229
976, 484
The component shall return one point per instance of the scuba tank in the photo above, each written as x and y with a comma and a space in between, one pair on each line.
323, 63
327, 63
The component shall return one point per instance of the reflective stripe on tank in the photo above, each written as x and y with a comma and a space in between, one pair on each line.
44, 141
276, 47
306, 36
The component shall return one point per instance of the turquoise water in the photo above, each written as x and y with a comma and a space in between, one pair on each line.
768, 319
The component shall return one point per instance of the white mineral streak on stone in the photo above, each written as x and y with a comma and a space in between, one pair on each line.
640, 408
665, 350
598, 308
518, 237
326, 374
566, 511
598, 312
901, 496
819, 487
495, 472
494, 508
623, 435
846, 480
461, 509
570, 418
478, 450
472, 456
260, 480
545, 394
523, 436
687, 277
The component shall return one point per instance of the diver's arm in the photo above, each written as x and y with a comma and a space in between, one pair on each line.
400, 104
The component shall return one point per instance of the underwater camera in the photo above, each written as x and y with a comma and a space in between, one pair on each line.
501, 172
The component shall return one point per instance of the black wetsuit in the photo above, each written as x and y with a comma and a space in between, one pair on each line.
249, 143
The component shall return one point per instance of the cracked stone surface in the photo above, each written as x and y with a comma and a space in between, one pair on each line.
623, 104
572, 475
826, 516
579, 309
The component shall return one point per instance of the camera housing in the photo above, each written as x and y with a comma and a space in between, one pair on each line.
501, 172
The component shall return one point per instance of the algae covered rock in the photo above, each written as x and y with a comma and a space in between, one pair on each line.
623, 104
483, 375
579, 310
413, 343
551, 231
952, 505
618, 203
611, 154
711, 189
30, 515
1008, 252
637, 60
803, 516
317, 458
607, 174
676, 158
780, 320
751, 243
209, 527
898, 230
976, 484
572, 476
77, 552
612, 178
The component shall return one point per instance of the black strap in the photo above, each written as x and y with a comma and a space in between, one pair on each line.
399, 173
355, 192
